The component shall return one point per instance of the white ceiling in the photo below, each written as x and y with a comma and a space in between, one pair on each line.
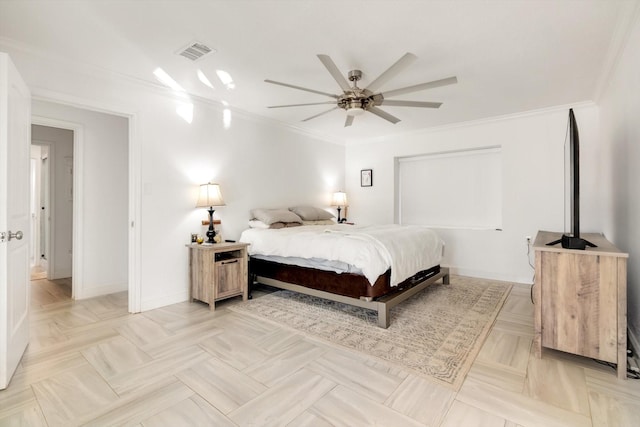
509, 56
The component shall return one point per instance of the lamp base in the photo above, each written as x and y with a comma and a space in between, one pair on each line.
211, 232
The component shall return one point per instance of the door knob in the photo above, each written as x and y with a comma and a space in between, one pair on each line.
18, 235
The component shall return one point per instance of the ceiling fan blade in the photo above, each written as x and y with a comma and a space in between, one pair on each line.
380, 113
422, 86
392, 71
335, 72
349, 121
411, 103
331, 95
320, 114
301, 105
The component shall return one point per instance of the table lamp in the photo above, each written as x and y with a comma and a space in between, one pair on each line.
210, 197
340, 201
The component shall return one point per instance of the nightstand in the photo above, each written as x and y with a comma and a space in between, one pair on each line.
217, 272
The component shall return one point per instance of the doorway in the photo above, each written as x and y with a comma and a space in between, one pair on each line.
96, 196
52, 200
51, 257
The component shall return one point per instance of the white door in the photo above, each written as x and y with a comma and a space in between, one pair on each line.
15, 136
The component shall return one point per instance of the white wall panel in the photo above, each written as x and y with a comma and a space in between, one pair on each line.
468, 184
532, 151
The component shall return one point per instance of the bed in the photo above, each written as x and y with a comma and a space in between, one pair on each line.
375, 267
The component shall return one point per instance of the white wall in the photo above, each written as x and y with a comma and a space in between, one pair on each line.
256, 162
533, 185
620, 137
60, 213
103, 199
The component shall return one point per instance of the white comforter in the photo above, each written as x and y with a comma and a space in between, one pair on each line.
373, 249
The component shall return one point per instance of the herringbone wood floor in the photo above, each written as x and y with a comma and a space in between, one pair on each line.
90, 362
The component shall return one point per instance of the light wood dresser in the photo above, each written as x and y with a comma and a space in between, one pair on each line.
580, 299
217, 272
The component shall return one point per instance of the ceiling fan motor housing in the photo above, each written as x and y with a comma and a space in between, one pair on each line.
355, 75
356, 101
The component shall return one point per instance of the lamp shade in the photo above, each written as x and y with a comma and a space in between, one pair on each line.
339, 199
209, 196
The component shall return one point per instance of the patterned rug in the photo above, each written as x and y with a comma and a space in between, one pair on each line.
436, 333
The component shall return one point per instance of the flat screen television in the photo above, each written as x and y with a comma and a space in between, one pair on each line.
573, 240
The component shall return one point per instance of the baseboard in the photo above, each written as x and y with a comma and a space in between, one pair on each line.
151, 303
490, 275
57, 274
90, 292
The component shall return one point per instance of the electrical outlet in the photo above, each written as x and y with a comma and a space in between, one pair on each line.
528, 239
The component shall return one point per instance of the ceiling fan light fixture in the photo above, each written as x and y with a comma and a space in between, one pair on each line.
355, 106
355, 111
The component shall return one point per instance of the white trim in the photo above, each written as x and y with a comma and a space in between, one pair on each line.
103, 290
480, 274
165, 300
471, 123
134, 235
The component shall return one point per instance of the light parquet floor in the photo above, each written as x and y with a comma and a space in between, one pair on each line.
91, 363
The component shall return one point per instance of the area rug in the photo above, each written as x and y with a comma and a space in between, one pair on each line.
436, 334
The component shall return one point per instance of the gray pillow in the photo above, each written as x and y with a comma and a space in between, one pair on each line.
310, 213
270, 216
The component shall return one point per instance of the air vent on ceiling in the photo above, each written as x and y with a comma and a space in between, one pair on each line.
195, 51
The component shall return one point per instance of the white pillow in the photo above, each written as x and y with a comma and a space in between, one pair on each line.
269, 216
254, 223
311, 213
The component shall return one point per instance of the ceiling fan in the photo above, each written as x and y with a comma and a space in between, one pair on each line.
356, 101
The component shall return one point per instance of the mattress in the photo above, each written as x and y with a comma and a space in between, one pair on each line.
373, 250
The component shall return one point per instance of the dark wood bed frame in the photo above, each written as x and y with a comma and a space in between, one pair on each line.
345, 288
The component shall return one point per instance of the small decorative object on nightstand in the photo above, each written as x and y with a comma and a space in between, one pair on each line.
340, 201
217, 272
210, 196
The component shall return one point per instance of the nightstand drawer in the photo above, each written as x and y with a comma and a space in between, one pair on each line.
229, 278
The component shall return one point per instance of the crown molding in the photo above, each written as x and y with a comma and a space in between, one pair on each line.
471, 123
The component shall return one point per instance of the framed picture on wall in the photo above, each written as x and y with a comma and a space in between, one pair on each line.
366, 178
